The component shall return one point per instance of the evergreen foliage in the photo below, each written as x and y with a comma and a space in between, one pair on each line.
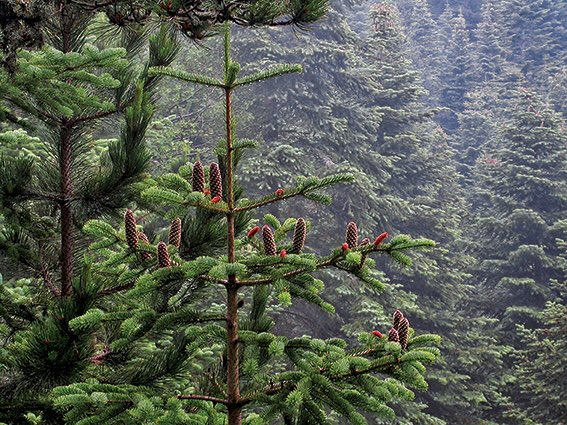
520, 214
249, 371
449, 114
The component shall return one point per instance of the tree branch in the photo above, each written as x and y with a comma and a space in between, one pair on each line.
202, 397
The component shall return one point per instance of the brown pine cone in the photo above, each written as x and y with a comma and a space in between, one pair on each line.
398, 316
393, 335
198, 177
163, 255
299, 234
215, 180
352, 235
175, 233
131, 232
269, 240
403, 332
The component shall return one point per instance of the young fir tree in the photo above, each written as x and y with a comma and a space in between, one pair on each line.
174, 355
540, 371
400, 156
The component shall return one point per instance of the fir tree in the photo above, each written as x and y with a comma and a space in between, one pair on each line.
65, 93
402, 162
540, 371
458, 66
489, 52
520, 215
425, 48
222, 361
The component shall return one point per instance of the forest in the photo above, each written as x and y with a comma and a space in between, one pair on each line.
260, 212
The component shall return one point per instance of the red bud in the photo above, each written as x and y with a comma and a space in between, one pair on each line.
377, 333
216, 199
207, 191
345, 247
283, 253
252, 232
280, 192
380, 238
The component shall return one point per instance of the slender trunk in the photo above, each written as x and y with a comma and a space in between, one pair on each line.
66, 192
233, 359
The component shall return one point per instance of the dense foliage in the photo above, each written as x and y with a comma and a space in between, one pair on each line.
449, 117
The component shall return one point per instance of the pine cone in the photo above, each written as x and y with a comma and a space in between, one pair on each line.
299, 236
269, 240
215, 180
198, 177
393, 335
352, 235
398, 316
144, 255
131, 232
163, 255
365, 241
175, 233
403, 332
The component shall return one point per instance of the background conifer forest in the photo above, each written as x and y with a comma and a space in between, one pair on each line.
283, 212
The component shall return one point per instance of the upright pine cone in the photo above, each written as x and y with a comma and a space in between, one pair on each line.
198, 177
403, 332
175, 233
398, 316
163, 255
269, 240
215, 180
299, 235
393, 335
352, 235
145, 255
131, 232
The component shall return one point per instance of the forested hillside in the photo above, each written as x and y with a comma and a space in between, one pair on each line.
447, 117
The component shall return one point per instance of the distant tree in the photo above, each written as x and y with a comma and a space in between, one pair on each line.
540, 370
425, 48
490, 45
519, 204
457, 75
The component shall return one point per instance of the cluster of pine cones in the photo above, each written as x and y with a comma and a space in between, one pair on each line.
270, 247
133, 236
400, 330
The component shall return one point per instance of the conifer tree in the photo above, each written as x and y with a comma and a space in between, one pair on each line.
79, 87
64, 94
176, 356
425, 47
540, 371
520, 215
458, 67
489, 49
403, 164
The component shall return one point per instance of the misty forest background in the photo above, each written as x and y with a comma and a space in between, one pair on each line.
452, 116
